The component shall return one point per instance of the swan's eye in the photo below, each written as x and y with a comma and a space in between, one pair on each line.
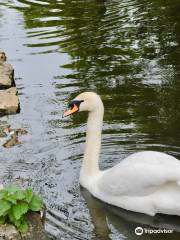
76, 103
73, 107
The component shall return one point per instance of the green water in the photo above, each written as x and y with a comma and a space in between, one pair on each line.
126, 51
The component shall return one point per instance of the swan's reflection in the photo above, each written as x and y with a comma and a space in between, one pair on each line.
125, 222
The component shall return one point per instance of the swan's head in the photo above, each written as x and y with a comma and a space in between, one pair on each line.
86, 101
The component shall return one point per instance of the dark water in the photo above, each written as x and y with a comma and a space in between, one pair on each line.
128, 52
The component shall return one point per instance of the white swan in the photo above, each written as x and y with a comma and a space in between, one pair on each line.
146, 182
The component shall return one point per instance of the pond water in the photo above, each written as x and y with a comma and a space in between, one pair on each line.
129, 53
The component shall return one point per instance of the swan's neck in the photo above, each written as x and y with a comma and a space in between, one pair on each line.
90, 165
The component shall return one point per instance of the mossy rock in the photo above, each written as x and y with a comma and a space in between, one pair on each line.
36, 229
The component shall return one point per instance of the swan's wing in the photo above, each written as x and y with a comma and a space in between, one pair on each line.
139, 178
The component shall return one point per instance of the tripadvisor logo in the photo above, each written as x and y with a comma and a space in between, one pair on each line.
139, 231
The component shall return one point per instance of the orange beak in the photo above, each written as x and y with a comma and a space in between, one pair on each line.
70, 111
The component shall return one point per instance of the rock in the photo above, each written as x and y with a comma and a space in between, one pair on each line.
3, 126
6, 75
13, 141
6, 72
36, 221
36, 230
21, 131
9, 101
8, 232
14, 135
2, 56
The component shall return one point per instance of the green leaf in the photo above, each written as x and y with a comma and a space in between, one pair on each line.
11, 217
36, 203
2, 220
17, 223
4, 207
3, 194
11, 199
13, 220
23, 227
20, 194
19, 210
28, 194
12, 189
15, 203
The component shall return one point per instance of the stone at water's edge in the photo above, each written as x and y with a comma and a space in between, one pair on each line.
36, 230
6, 72
6, 75
8, 232
9, 101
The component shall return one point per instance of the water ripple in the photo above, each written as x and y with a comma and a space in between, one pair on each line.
128, 52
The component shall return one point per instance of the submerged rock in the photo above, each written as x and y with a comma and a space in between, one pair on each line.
9, 101
13, 141
10, 137
14, 134
3, 127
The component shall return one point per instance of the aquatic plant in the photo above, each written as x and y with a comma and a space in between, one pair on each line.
15, 203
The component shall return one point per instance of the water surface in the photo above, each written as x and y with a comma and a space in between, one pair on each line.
126, 51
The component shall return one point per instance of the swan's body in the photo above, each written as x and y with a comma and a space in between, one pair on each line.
146, 182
